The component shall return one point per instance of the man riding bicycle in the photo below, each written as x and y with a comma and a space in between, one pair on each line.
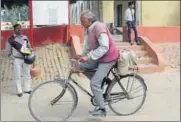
101, 53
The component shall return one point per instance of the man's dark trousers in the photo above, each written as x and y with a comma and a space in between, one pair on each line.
132, 25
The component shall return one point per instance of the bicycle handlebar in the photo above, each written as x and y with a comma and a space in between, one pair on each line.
75, 68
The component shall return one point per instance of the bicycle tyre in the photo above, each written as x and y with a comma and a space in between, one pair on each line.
110, 87
60, 82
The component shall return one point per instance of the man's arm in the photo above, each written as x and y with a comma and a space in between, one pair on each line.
126, 15
102, 49
85, 46
8, 48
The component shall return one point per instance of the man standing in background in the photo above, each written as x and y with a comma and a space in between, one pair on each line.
131, 22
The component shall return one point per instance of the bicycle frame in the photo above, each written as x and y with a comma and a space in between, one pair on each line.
76, 83
116, 76
84, 90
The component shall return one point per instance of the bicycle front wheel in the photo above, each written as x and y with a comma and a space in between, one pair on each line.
127, 95
50, 101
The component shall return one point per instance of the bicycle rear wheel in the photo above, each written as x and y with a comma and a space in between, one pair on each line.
129, 102
50, 101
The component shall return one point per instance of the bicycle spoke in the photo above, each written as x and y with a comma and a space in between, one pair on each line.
136, 96
128, 84
55, 105
119, 93
117, 96
125, 102
133, 102
136, 89
132, 85
115, 100
65, 102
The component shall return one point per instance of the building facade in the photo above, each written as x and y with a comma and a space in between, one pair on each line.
160, 13
79, 6
148, 13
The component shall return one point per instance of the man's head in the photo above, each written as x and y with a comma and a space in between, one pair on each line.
131, 5
17, 29
87, 18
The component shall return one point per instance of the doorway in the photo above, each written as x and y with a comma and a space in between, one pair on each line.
119, 15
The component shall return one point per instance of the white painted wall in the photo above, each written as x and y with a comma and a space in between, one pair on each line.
50, 12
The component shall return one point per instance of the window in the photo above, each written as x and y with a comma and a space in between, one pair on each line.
88, 4
81, 7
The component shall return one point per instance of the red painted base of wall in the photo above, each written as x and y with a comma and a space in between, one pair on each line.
75, 30
42, 35
58, 34
157, 34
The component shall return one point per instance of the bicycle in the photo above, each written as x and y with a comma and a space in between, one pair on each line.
110, 98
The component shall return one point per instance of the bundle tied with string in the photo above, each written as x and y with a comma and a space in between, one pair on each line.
126, 62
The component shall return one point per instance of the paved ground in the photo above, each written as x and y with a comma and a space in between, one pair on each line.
171, 53
162, 103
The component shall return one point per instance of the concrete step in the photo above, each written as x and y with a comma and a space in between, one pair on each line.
147, 68
141, 53
118, 38
134, 47
123, 44
144, 60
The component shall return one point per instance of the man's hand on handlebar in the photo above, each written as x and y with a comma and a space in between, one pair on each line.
81, 58
77, 57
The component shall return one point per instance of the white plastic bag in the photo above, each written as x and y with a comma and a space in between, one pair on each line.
24, 49
126, 61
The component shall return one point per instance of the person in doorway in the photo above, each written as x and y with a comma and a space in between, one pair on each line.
101, 53
131, 22
16, 40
